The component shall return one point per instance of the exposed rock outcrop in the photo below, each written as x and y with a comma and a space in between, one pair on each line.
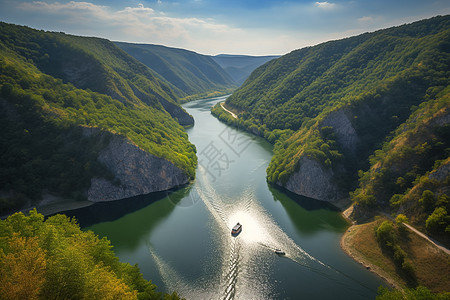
441, 173
136, 172
314, 181
343, 128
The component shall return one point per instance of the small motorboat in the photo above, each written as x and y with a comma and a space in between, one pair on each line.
236, 229
279, 252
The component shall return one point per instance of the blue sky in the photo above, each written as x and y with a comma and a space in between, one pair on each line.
262, 27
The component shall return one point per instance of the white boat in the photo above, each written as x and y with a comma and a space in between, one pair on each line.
279, 252
236, 229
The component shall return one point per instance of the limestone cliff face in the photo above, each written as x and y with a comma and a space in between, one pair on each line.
343, 128
314, 181
139, 172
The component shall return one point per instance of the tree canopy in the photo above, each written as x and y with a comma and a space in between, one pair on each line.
54, 259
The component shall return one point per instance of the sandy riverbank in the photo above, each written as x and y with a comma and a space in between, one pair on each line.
348, 243
430, 263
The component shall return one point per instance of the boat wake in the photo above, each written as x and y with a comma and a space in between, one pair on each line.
245, 260
253, 250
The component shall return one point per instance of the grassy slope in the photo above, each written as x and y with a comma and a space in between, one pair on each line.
360, 243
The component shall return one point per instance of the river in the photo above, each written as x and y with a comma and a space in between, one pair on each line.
181, 239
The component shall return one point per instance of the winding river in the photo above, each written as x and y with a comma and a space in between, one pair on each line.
181, 239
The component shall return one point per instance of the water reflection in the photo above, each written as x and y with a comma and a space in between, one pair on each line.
308, 215
113, 210
188, 246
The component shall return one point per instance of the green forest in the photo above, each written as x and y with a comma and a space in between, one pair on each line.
393, 87
55, 259
53, 88
409, 173
195, 75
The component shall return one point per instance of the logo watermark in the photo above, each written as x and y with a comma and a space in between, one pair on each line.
213, 160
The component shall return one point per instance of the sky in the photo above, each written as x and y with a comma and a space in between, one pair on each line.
251, 27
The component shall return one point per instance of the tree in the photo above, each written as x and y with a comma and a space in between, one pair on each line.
400, 220
427, 200
385, 234
22, 269
438, 220
54, 259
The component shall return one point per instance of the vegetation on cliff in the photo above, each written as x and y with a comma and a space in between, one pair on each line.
372, 82
52, 85
410, 173
54, 259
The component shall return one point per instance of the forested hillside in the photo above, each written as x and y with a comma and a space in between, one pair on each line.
410, 173
54, 87
239, 67
195, 75
328, 108
54, 259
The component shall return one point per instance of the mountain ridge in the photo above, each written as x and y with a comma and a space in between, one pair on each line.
239, 67
194, 75
336, 102
54, 86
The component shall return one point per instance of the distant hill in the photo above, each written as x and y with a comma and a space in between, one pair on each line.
330, 108
194, 74
239, 67
75, 111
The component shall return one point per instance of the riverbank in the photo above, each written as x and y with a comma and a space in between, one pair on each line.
359, 245
227, 110
430, 263
51, 205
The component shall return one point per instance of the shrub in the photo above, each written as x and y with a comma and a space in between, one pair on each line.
438, 220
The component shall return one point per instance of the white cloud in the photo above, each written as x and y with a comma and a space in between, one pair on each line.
365, 19
58, 7
368, 20
136, 24
139, 9
325, 5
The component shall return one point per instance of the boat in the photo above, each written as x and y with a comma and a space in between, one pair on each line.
236, 229
279, 252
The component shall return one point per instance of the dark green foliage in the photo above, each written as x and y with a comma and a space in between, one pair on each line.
376, 79
194, 75
438, 221
427, 200
44, 110
385, 234
54, 259
401, 172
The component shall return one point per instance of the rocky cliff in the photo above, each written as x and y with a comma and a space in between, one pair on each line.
345, 132
136, 172
314, 181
